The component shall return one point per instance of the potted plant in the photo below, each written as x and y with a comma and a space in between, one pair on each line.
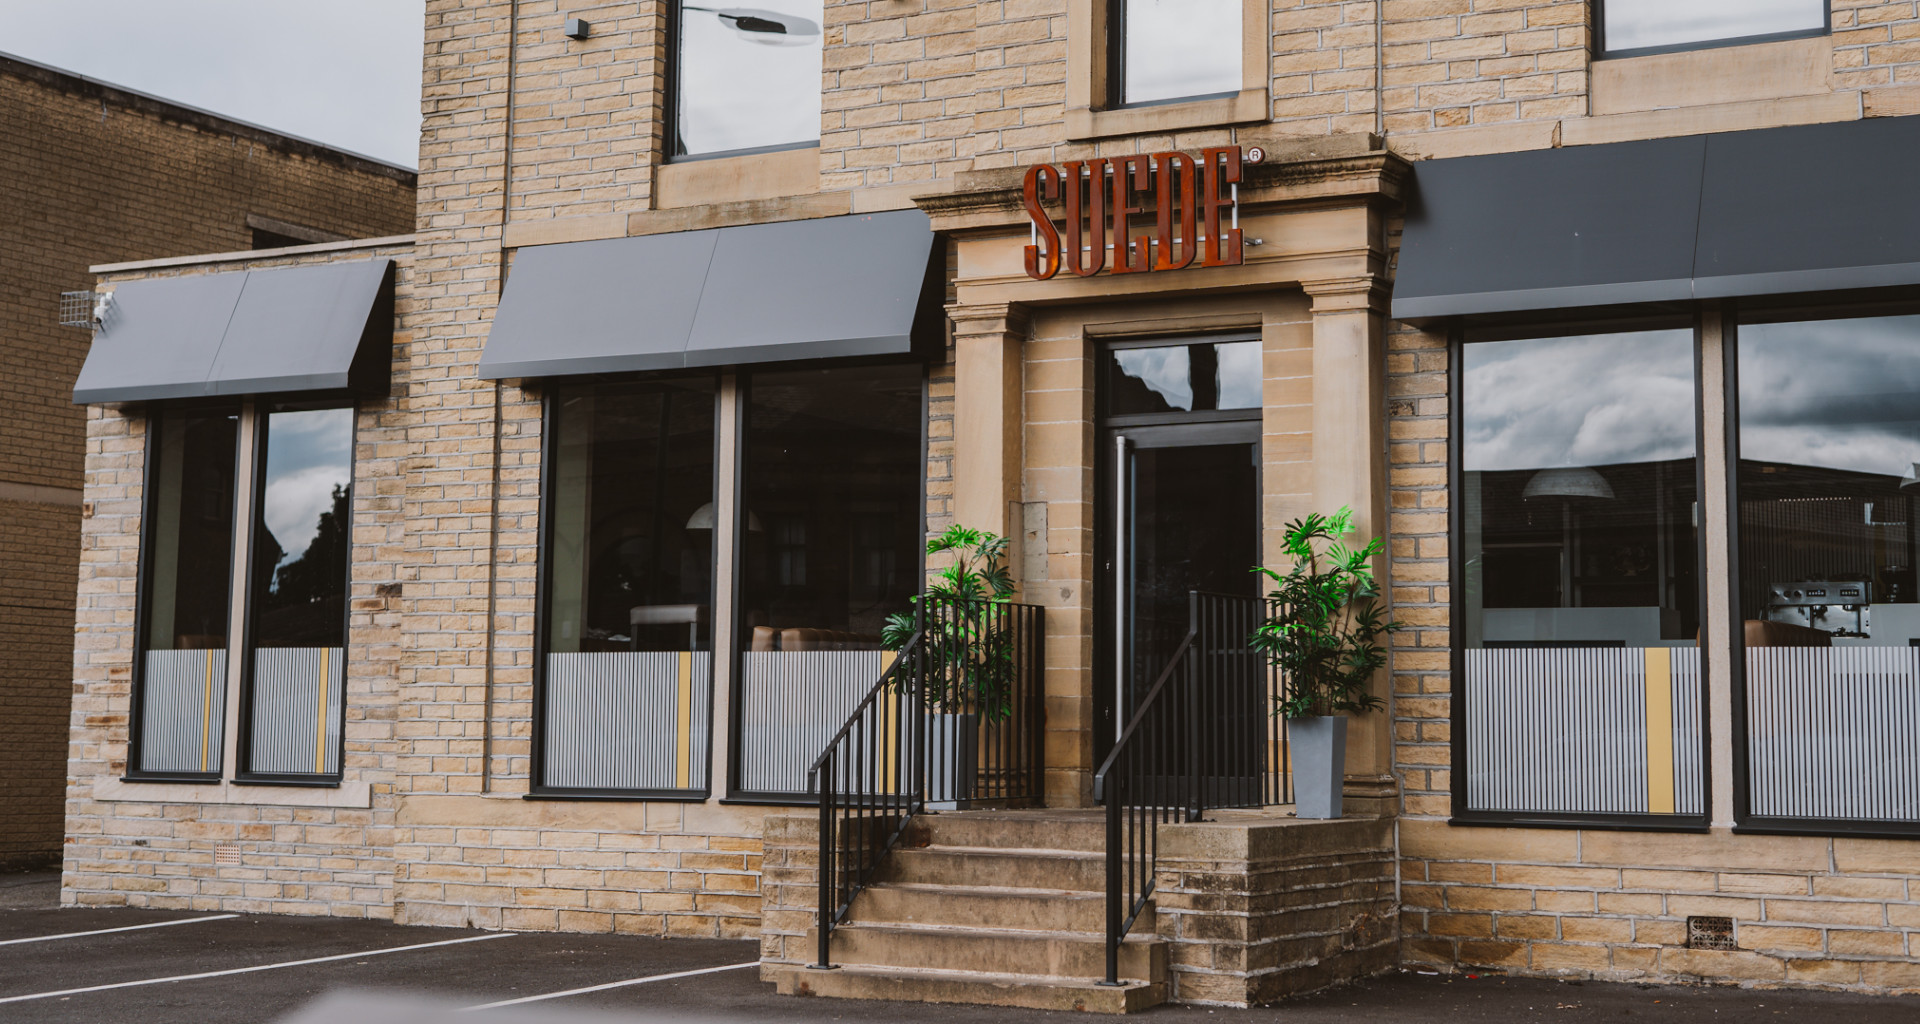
967, 652
1325, 638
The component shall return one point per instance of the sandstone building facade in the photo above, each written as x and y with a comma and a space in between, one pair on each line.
628, 470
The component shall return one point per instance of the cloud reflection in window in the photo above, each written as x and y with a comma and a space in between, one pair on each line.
1589, 400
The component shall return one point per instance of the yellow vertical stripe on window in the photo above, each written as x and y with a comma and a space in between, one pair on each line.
889, 762
683, 742
206, 714
320, 718
1659, 680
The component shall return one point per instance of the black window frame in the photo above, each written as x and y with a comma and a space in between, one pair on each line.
1734, 314
670, 116
1460, 336
734, 793
1116, 68
551, 393
155, 416
256, 480
1602, 52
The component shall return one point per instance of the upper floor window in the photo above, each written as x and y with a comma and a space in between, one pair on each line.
1164, 50
747, 78
1632, 27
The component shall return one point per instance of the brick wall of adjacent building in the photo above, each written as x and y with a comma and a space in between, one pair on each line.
91, 174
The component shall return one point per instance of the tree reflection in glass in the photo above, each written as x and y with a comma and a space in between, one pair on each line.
298, 590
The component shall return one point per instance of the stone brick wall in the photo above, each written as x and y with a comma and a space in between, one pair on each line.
96, 175
1806, 911
1259, 910
154, 845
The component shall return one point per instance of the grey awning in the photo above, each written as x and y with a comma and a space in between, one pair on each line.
1782, 210
809, 289
325, 327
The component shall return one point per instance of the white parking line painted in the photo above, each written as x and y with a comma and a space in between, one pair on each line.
109, 931
612, 984
250, 970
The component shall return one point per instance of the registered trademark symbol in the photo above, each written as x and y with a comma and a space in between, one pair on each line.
1255, 154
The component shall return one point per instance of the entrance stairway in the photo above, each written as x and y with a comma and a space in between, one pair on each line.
998, 907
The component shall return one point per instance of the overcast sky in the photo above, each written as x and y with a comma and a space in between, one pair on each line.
342, 72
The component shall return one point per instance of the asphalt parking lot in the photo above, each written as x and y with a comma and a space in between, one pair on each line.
161, 967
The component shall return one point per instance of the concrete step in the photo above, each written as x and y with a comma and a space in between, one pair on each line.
1054, 910
1057, 954
1029, 830
990, 866
930, 986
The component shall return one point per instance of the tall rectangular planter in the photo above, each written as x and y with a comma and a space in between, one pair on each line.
1319, 748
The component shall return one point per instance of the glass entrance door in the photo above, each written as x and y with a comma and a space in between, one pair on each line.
1186, 518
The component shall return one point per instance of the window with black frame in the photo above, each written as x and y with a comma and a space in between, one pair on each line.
1579, 576
186, 585
1160, 51
830, 545
1632, 27
302, 535
747, 79
1829, 467
627, 630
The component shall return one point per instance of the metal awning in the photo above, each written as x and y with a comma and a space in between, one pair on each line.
1776, 211
324, 327
836, 287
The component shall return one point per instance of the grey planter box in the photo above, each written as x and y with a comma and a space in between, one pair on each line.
1319, 747
953, 759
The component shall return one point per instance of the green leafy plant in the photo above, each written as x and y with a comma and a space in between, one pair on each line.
967, 643
1326, 636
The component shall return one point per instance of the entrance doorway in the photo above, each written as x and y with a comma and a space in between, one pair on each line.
1181, 501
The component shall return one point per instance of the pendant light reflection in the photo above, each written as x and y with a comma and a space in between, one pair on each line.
702, 519
768, 28
1568, 482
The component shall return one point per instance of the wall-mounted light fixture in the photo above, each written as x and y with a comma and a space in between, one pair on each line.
578, 28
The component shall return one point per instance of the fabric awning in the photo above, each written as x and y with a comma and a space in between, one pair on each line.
811, 289
1776, 211
324, 327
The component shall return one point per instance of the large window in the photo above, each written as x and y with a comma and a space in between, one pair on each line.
1163, 50
1579, 575
1629, 27
627, 631
830, 543
302, 504
747, 78
1829, 467
180, 715
284, 472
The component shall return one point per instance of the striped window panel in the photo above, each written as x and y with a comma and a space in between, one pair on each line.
182, 711
298, 698
1584, 730
628, 720
1834, 732
791, 704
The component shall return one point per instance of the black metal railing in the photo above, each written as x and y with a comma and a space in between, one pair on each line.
1204, 737
956, 720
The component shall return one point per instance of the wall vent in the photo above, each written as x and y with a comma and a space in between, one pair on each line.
1710, 933
226, 853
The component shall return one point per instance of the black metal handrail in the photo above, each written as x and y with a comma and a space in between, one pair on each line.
956, 721
870, 785
1203, 737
